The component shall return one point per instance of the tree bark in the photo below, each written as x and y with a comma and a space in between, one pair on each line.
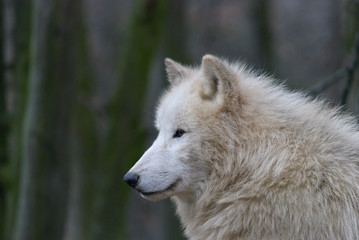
84, 151
3, 125
44, 182
125, 139
17, 37
27, 195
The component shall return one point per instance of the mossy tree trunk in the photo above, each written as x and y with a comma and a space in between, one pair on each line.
126, 134
44, 179
84, 142
19, 74
3, 125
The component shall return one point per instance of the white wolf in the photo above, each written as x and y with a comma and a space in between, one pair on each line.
243, 158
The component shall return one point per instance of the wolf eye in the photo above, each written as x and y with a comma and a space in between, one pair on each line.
179, 133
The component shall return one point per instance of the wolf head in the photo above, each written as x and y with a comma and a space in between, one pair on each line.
180, 161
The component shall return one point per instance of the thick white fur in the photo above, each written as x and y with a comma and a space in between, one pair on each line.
256, 161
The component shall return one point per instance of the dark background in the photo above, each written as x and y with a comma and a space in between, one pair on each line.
79, 80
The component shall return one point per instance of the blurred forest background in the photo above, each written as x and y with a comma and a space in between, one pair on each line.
79, 80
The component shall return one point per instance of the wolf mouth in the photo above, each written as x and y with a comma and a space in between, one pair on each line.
170, 187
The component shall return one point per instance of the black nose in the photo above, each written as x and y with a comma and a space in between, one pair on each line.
131, 179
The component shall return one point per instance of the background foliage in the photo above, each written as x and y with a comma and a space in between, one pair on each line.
78, 83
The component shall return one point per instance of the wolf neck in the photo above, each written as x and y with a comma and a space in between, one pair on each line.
192, 211
186, 208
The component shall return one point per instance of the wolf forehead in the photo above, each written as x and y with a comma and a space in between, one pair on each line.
197, 92
179, 104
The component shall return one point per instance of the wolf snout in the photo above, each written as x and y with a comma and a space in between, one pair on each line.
131, 179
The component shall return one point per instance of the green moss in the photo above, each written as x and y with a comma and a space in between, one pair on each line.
125, 139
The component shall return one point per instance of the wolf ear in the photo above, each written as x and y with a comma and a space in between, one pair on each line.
217, 79
175, 71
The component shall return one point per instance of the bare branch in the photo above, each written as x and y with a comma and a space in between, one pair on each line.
329, 81
346, 72
351, 69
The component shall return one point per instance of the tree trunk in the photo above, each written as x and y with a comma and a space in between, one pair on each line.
3, 125
84, 143
17, 37
45, 162
125, 140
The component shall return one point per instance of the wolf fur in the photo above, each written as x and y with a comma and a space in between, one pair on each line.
255, 161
